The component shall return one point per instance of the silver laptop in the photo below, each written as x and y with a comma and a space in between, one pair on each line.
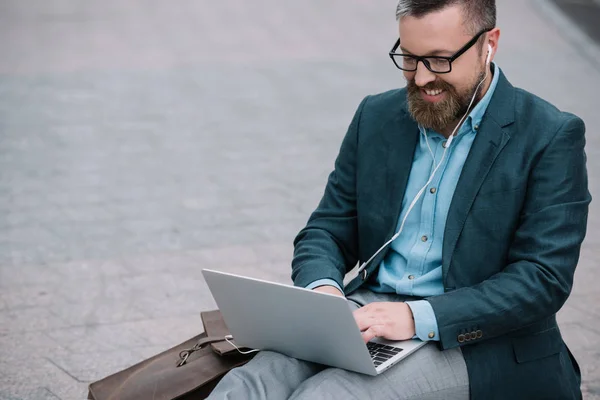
300, 323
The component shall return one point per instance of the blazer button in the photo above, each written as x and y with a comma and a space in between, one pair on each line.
473, 335
479, 334
461, 338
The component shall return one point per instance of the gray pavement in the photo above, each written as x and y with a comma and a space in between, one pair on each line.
142, 141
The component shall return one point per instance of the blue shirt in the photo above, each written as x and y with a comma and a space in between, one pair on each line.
413, 264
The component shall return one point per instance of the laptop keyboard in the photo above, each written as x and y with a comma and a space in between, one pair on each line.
380, 353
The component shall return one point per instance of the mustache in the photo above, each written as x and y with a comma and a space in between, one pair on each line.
436, 85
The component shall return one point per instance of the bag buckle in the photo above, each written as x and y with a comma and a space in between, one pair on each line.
183, 357
185, 354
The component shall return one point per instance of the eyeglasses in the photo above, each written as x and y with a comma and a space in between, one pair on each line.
436, 64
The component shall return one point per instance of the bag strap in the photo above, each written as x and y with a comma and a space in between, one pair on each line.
214, 325
185, 354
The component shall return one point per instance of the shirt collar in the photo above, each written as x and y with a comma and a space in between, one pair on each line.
476, 115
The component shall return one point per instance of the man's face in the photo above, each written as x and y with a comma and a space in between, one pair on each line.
437, 100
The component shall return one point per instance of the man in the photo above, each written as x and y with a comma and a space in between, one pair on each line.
487, 186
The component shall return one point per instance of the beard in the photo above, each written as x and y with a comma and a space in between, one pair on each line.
438, 116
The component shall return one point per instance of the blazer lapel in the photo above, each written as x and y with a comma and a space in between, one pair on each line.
489, 142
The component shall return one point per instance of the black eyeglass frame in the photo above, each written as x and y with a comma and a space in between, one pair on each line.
424, 60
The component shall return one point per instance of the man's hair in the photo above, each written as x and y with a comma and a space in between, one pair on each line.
478, 14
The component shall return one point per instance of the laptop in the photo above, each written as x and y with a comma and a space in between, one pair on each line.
300, 323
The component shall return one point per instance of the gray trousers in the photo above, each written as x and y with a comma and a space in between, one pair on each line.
426, 374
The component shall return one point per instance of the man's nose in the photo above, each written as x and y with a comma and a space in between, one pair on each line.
423, 76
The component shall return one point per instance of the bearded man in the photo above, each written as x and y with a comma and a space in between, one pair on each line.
478, 193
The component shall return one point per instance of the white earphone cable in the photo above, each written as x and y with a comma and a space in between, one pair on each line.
228, 339
420, 193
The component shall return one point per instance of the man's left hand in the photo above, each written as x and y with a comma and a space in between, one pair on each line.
392, 321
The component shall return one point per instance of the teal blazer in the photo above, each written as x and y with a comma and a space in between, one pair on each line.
511, 244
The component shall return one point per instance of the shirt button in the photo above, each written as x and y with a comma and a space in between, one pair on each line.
424, 238
476, 127
431, 335
445, 144
433, 190
411, 277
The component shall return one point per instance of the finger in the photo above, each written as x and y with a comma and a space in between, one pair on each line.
363, 322
371, 333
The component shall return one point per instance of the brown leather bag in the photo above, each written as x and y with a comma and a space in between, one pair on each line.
189, 371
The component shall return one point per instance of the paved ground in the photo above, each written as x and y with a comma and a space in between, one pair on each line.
141, 141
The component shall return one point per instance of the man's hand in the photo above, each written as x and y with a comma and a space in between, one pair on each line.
329, 290
392, 321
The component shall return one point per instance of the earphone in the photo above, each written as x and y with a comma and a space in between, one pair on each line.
229, 338
420, 193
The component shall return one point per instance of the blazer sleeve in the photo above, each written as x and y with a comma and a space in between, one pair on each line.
544, 252
327, 247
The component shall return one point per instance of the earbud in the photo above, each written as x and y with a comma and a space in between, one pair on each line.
489, 54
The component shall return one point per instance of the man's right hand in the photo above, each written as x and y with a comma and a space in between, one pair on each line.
330, 290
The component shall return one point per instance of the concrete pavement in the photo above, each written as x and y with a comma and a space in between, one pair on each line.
141, 141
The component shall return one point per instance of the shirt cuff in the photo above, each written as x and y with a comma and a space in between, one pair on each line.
426, 326
324, 282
